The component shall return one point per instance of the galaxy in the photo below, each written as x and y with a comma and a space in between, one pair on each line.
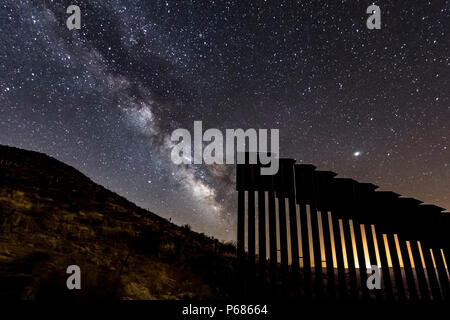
372, 105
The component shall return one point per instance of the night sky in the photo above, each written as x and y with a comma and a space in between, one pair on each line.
372, 105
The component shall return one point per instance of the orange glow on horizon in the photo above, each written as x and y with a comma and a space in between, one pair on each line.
388, 252
365, 246
344, 248
411, 258
310, 237
375, 242
355, 253
399, 253
321, 239
333, 244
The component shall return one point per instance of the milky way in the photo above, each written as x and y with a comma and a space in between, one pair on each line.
368, 104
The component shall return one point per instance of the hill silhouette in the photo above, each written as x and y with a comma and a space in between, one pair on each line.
53, 216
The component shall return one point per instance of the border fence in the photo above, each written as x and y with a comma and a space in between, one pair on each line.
307, 234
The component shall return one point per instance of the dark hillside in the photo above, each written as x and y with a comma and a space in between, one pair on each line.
52, 216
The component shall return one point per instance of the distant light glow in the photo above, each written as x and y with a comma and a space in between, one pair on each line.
357, 153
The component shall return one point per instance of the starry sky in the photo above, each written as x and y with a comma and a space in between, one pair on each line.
372, 105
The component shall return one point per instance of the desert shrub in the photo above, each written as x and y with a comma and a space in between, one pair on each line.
229, 247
